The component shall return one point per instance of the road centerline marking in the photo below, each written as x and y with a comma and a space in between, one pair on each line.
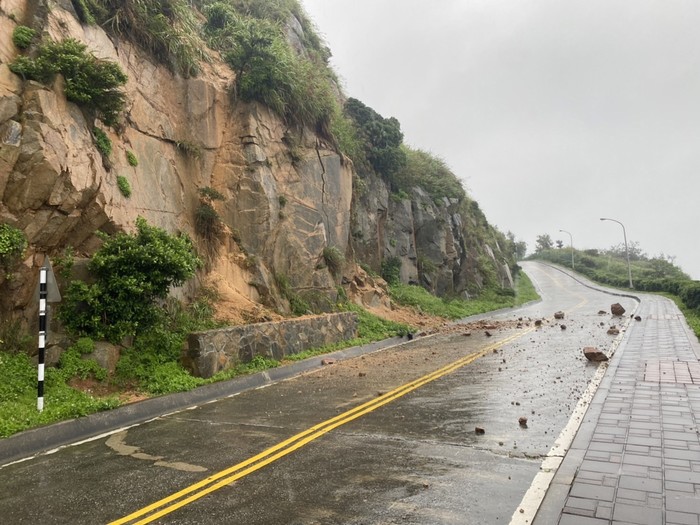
227, 476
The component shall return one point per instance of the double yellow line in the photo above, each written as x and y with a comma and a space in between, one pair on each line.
225, 477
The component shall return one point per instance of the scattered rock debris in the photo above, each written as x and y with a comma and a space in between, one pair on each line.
559, 315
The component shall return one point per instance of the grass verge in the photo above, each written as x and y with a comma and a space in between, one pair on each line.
691, 316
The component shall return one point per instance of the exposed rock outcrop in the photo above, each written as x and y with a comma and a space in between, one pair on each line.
282, 205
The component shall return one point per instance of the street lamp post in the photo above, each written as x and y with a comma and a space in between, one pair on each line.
571, 243
627, 252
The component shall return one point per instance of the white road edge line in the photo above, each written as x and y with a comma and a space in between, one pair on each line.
525, 512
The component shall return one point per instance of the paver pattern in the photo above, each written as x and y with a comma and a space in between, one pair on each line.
642, 462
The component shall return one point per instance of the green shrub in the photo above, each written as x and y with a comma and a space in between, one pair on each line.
426, 265
346, 136
297, 304
124, 186
410, 295
84, 346
132, 272
391, 270
334, 259
91, 82
63, 264
207, 221
12, 245
189, 149
102, 142
22, 36
381, 139
690, 294
211, 193
374, 328
430, 173
152, 362
131, 159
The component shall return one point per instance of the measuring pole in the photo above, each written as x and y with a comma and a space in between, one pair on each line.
43, 292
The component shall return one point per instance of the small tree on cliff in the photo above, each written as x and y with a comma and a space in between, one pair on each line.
132, 272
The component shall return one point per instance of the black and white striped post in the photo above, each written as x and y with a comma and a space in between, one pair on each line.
43, 292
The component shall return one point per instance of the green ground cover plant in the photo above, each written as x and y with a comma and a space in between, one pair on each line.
453, 309
18, 391
12, 245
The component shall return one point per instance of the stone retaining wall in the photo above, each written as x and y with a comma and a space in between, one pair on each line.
215, 350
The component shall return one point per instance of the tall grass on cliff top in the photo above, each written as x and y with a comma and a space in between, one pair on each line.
167, 28
269, 70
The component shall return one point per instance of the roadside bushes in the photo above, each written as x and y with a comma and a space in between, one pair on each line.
690, 294
132, 272
12, 245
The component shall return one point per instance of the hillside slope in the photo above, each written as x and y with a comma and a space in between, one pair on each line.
281, 196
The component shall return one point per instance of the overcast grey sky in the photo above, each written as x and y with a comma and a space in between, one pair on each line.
554, 113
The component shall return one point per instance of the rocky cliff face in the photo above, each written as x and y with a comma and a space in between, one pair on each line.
287, 194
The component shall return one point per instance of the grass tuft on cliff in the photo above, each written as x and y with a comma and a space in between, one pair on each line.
169, 29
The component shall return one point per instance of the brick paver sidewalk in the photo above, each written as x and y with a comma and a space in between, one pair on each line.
636, 457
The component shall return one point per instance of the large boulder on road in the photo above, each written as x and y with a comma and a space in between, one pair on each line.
617, 309
593, 354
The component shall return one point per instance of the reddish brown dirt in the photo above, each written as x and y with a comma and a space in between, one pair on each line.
101, 389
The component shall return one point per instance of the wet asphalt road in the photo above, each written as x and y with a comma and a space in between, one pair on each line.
414, 460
